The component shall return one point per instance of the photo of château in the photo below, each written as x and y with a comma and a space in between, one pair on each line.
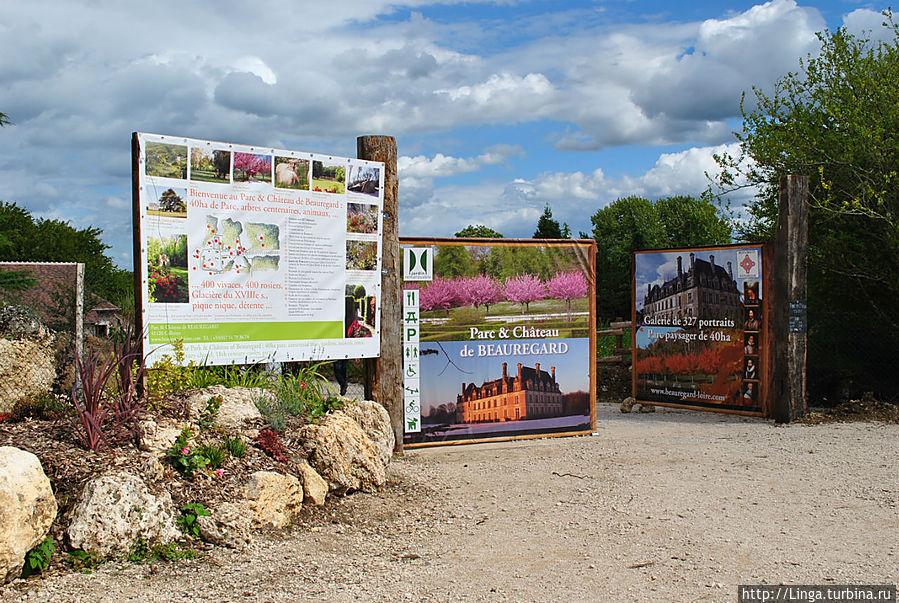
704, 289
530, 394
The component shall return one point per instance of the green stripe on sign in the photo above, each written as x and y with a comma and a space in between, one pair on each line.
223, 332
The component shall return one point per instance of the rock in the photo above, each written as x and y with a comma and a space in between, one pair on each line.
273, 498
157, 436
115, 510
237, 405
315, 488
228, 526
375, 422
343, 455
647, 408
27, 508
150, 467
628, 404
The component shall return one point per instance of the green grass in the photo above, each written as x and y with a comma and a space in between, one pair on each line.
328, 185
167, 214
206, 176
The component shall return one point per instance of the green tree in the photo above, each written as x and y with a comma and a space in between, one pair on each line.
26, 239
478, 231
454, 260
4, 120
633, 223
835, 121
548, 227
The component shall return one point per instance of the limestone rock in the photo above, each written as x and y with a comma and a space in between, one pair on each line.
237, 405
628, 404
228, 526
273, 498
315, 488
343, 455
647, 408
115, 510
375, 422
27, 508
157, 436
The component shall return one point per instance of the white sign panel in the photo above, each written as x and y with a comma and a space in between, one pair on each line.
411, 361
252, 254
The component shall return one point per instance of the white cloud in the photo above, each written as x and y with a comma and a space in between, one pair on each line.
417, 174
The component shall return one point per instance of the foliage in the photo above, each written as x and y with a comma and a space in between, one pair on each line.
236, 446
190, 513
84, 561
454, 260
26, 239
4, 120
90, 402
168, 374
478, 231
305, 394
548, 227
215, 455
480, 290
16, 280
440, 293
270, 443
633, 223
185, 455
567, 286
210, 412
835, 121
130, 369
250, 166
144, 553
44, 406
37, 560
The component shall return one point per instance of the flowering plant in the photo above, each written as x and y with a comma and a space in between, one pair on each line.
187, 458
357, 329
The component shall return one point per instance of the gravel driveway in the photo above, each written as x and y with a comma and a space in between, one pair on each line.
668, 506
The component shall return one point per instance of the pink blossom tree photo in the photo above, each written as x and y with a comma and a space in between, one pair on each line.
524, 289
567, 286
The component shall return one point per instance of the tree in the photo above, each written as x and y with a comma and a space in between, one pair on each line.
170, 201
633, 223
523, 290
26, 239
454, 260
478, 290
548, 227
478, 231
252, 164
567, 286
4, 120
835, 121
440, 293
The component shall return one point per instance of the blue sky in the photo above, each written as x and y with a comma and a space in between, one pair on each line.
499, 108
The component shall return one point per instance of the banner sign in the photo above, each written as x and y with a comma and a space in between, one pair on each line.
253, 254
506, 341
699, 328
411, 364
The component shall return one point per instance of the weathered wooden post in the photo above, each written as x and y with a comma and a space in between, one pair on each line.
384, 375
790, 299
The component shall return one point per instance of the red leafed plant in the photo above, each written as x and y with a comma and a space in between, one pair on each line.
270, 443
90, 402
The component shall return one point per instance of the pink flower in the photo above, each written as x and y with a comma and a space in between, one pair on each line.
302, 385
185, 450
219, 472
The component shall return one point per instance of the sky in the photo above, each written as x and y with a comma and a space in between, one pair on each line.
499, 108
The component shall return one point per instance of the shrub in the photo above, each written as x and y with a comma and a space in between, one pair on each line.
44, 406
190, 513
215, 455
37, 560
90, 402
270, 443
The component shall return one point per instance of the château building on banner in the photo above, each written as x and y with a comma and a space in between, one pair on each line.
531, 394
705, 289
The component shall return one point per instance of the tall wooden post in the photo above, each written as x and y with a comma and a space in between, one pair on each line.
790, 299
384, 375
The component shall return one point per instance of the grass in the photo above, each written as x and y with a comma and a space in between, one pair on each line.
328, 185
206, 176
167, 214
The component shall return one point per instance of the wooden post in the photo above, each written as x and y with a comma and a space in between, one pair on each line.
139, 268
79, 322
790, 299
384, 377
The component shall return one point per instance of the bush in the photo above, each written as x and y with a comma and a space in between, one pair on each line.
236, 446
270, 443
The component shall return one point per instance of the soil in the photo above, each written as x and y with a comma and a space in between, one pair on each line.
666, 506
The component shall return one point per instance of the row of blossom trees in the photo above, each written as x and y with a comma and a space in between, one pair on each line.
476, 291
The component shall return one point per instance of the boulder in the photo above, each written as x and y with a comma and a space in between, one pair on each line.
274, 498
237, 407
27, 508
375, 422
116, 510
315, 488
228, 526
628, 404
340, 451
158, 435
647, 408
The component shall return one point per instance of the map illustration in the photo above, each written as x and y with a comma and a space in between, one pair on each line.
230, 245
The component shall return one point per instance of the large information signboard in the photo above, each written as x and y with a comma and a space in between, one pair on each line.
249, 254
500, 342
700, 336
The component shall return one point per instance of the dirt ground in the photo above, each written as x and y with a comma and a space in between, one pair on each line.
665, 506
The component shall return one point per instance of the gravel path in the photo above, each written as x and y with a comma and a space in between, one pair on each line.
668, 506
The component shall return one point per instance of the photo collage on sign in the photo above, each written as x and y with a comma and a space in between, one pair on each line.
260, 237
